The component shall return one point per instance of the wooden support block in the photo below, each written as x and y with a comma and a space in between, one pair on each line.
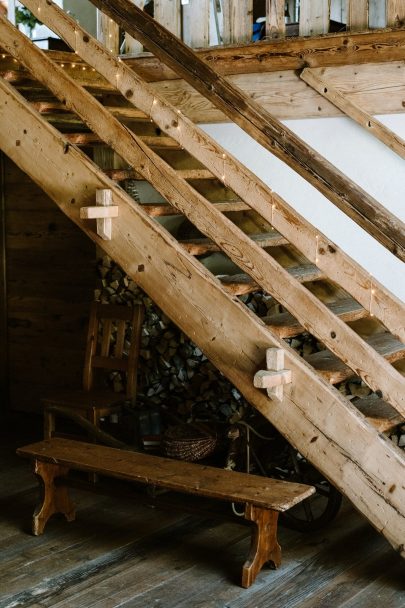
275, 377
55, 499
264, 546
103, 213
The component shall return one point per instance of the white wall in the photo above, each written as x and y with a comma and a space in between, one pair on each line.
360, 156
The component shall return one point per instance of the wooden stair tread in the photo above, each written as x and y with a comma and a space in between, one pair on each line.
240, 284
334, 370
153, 141
162, 209
120, 175
287, 326
379, 413
202, 245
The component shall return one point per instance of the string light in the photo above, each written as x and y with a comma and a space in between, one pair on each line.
62, 65
73, 65
372, 293
273, 208
317, 247
3, 56
223, 168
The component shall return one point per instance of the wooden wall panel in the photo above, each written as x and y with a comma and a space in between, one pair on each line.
132, 46
50, 267
168, 13
314, 17
238, 21
395, 13
357, 14
275, 18
196, 16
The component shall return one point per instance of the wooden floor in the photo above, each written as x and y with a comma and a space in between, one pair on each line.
121, 554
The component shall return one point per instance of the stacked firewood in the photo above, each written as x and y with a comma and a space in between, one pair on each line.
175, 373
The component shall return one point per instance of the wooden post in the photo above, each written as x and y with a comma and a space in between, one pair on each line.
357, 14
132, 46
395, 13
168, 13
238, 21
196, 21
3, 292
108, 32
275, 18
377, 14
314, 17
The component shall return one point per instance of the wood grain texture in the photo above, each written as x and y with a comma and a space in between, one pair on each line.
196, 19
355, 112
189, 295
168, 13
357, 14
263, 127
182, 476
132, 46
275, 19
237, 21
314, 17
395, 13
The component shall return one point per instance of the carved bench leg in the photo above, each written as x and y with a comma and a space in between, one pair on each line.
54, 498
264, 546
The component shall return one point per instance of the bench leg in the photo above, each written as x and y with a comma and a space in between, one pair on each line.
264, 546
54, 499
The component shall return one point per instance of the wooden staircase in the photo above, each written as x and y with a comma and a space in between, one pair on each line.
319, 288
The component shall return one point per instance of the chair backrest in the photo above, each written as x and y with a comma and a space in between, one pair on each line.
113, 343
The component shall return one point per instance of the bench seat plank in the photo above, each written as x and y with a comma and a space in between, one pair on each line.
171, 474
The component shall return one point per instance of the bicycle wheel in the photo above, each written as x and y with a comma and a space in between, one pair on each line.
317, 510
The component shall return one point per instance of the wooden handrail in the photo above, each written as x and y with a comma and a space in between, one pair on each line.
261, 125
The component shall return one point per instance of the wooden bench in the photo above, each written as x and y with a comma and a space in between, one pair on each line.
263, 497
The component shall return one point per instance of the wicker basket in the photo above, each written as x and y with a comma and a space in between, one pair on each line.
186, 442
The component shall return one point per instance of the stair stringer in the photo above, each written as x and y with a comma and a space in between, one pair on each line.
313, 416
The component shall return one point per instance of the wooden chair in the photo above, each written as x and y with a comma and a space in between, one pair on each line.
110, 327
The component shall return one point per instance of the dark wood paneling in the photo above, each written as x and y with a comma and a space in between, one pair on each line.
50, 282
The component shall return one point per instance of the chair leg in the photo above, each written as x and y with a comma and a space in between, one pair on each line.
54, 498
49, 424
264, 546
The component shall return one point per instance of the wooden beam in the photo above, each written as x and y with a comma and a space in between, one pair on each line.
351, 109
395, 13
333, 436
237, 21
334, 50
275, 19
246, 254
168, 13
263, 127
327, 256
314, 17
196, 22
357, 14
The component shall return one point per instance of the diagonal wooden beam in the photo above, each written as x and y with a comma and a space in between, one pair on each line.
262, 126
351, 109
323, 425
